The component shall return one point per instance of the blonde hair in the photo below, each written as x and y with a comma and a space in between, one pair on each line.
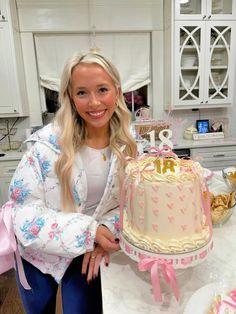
72, 128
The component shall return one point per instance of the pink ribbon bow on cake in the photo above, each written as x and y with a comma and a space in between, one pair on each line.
154, 265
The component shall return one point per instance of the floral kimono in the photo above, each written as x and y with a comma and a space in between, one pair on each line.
47, 237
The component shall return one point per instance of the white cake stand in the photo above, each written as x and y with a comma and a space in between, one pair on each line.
166, 264
178, 260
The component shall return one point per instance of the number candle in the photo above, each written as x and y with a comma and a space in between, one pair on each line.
152, 138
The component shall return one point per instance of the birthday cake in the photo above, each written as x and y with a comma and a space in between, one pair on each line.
166, 204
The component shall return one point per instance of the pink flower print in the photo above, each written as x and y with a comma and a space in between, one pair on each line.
51, 234
88, 238
15, 194
53, 226
117, 225
34, 230
30, 160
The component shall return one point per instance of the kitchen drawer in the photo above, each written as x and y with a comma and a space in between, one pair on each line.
215, 158
7, 168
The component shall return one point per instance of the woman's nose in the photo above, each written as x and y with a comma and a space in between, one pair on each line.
94, 101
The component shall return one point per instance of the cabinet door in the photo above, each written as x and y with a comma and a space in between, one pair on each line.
205, 10
219, 62
189, 62
8, 86
221, 10
3, 11
190, 10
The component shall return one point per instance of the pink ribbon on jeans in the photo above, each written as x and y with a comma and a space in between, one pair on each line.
154, 265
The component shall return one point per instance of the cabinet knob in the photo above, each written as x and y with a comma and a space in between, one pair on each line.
201, 102
206, 102
204, 16
209, 16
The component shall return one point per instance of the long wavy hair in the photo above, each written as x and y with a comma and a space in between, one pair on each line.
72, 127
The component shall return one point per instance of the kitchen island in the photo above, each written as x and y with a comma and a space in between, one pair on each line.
126, 290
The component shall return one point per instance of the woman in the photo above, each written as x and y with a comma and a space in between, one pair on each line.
65, 191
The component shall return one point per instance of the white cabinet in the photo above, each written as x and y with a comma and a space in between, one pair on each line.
13, 100
215, 158
205, 9
7, 169
202, 54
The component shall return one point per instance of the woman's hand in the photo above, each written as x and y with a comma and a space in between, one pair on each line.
105, 238
92, 260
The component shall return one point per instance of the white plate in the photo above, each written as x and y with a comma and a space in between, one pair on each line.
201, 300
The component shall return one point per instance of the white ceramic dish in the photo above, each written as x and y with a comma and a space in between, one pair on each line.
201, 300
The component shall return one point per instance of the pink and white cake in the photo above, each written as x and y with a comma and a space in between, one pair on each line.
166, 205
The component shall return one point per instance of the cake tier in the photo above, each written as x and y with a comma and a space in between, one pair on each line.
165, 213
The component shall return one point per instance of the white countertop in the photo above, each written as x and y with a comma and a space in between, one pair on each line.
182, 143
128, 291
11, 155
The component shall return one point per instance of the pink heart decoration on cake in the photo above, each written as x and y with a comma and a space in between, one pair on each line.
184, 227
155, 199
183, 210
141, 219
169, 194
155, 212
140, 192
170, 205
141, 204
155, 227
171, 219
182, 197
180, 187
155, 188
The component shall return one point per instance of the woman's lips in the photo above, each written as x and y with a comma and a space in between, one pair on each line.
97, 114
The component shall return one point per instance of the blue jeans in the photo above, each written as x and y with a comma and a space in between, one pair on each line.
78, 297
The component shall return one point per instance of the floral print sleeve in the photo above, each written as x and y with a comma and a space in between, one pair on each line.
39, 223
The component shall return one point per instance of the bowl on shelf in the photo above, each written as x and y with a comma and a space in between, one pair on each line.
222, 207
229, 175
188, 61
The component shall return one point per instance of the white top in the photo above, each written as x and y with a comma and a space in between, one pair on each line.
96, 166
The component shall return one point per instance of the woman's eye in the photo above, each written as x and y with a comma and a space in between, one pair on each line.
103, 89
81, 93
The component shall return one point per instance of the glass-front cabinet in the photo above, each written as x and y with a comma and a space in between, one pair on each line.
199, 37
205, 9
204, 64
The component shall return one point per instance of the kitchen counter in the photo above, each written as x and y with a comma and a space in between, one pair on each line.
128, 291
228, 141
11, 155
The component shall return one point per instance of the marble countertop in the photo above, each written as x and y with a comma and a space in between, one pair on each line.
129, 291
228, 141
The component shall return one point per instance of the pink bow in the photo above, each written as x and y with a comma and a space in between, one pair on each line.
153, 265
166, 151
9, 249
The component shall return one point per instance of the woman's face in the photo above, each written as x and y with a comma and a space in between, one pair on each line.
94, 95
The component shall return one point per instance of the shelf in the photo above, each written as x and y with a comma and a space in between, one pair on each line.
195, 68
